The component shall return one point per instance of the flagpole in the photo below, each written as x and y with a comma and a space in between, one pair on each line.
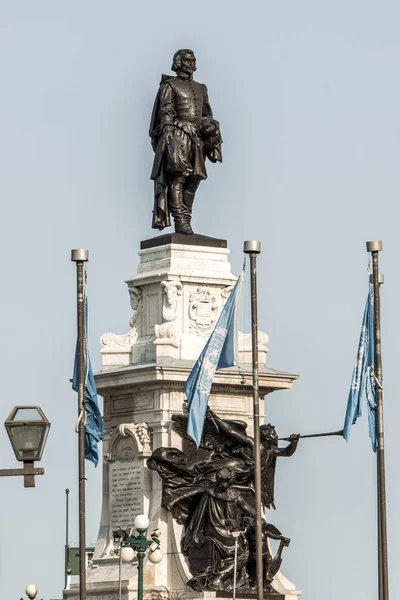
80, 257
375, 247
66, 536
253, 248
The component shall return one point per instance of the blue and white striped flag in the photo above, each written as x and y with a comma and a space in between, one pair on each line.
219, 352
363, 383
94, 428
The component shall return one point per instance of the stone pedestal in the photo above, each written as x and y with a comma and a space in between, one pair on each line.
180, 288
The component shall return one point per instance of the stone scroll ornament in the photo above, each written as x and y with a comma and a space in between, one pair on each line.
210, 491
126, 341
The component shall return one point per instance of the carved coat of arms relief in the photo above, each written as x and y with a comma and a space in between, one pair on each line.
205, 305
203, 310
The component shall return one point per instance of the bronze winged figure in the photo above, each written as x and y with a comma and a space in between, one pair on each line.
210, 491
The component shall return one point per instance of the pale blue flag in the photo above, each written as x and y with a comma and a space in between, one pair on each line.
363, 383
219, 352
94, 428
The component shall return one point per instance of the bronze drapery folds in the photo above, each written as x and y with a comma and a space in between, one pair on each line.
210, 491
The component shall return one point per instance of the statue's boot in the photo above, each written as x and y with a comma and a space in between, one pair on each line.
188, 223
183, 227
189, 191
177, 206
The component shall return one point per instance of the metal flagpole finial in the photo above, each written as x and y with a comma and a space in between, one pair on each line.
80, 255
252, 247
374, 246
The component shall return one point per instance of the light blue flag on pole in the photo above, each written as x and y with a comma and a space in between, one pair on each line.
219, 352
363, 383
94, 428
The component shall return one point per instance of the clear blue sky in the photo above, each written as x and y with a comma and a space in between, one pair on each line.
308, 97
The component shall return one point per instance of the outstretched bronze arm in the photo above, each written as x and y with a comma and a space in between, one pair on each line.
228, 429
290, 448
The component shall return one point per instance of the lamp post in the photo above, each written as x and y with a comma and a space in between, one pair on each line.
139, 543
27, 429
126, 554
31, 591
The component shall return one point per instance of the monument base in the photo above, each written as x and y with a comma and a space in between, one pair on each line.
182, 239
251, 596
107, 591
177, 295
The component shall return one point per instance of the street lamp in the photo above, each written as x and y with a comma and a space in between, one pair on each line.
140, 544
126, 554
27, 429
31, 591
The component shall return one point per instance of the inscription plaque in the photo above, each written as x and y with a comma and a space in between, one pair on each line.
126, 493
126, 485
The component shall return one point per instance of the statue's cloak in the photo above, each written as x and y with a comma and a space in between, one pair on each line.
161, 212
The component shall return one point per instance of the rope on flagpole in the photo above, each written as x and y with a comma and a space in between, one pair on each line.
85, 285
85, 347
374, 377
243, 271
83, 413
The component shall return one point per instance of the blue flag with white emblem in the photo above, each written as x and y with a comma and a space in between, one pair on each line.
94, 428
219, 352
363, 383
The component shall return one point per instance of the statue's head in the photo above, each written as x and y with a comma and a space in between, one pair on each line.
225, 477
184, 60
268, 433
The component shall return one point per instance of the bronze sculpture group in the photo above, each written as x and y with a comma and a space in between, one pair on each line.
210, 491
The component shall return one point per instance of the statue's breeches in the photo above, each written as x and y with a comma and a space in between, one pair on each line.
183, 156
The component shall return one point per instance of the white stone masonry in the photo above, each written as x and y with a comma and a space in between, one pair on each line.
176, 297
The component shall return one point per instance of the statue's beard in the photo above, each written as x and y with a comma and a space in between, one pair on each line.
189, 70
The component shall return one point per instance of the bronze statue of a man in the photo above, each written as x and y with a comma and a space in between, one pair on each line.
183, 134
